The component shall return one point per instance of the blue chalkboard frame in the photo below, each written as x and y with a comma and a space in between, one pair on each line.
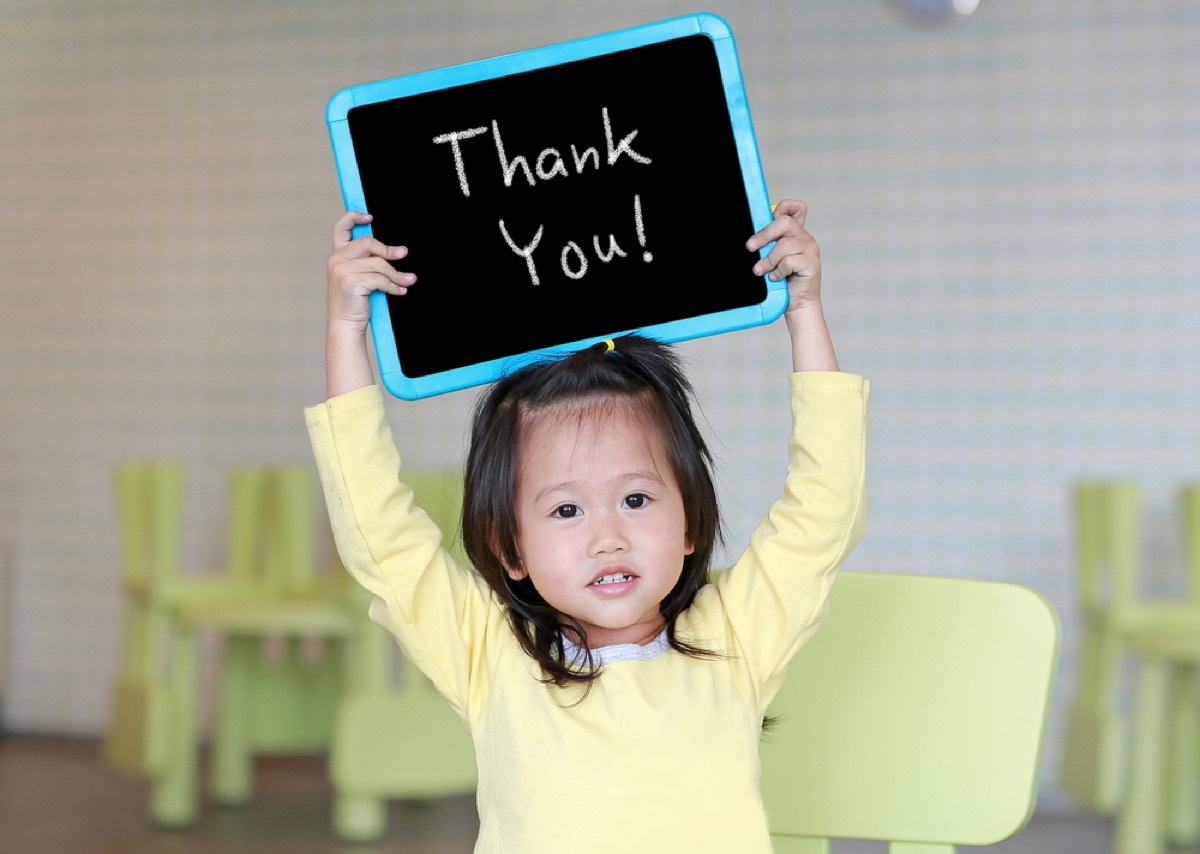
392, 373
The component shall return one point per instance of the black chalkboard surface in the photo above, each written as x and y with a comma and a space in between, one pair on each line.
557, 197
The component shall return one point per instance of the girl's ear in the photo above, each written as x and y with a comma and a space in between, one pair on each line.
516, 573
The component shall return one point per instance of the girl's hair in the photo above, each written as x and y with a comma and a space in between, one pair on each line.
636, 372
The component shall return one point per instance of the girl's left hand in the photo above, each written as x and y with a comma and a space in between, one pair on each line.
795, 254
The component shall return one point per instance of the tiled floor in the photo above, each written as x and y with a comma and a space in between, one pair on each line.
57, 797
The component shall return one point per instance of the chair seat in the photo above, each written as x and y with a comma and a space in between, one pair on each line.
1167, 645
1158, 617
308, 617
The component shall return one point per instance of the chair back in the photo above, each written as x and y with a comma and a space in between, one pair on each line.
271, 538
150, 533
1107, 534
1189, 507
915, 715
150, 522
1108, 529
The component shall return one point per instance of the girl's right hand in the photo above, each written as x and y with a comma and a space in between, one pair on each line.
357, 267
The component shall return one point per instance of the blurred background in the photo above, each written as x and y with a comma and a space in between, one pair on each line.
1008, 206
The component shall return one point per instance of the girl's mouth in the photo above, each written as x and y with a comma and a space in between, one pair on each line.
612, 578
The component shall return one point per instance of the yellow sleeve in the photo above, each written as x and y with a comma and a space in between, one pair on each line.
776, 595
437, 609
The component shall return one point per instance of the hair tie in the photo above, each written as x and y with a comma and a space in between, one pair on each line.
609, 345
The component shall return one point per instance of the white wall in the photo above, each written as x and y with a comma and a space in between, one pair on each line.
1008, 210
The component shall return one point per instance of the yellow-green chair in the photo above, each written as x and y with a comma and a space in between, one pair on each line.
1158, 804
916, 715
143, 725
1107, 534
1117, 620
269, 699
395, 737
281, 648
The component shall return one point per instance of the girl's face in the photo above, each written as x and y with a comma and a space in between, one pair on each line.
600, 521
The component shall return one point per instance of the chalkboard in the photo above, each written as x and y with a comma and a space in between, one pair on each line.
556, 197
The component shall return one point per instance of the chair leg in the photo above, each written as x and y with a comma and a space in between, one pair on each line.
359, 818
1139, 818
231, 780
173, 791
1182, 819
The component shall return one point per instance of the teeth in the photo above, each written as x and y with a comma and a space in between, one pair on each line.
613, 579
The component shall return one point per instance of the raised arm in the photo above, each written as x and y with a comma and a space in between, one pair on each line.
356, 268
797, 256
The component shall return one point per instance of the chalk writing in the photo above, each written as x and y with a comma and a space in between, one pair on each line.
453, 139
549, 163
572, 259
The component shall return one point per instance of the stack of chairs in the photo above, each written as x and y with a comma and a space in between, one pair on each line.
299, 666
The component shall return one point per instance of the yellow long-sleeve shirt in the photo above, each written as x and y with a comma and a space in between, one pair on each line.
662, 754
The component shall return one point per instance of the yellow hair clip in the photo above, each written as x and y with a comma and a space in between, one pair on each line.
609, 346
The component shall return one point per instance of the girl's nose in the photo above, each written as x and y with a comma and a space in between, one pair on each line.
609, 534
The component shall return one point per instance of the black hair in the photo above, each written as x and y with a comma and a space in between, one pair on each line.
636, 371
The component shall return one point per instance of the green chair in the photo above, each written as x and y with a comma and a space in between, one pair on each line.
1107, 532
143, 723
281, 646
268, 589
1159, 806
394, 735
916, 715
1118, 619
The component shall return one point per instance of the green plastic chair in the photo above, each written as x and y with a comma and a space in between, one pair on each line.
143, 722
1159, 805
395, 737
281, 646
1119, 621
1107, 519
916, 715
280, 702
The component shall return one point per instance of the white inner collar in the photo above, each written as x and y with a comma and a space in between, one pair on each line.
603, 655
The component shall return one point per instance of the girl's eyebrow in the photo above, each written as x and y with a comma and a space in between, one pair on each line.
565, 486
568, 486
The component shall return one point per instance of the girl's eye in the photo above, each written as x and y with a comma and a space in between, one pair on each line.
566, 511
636, 501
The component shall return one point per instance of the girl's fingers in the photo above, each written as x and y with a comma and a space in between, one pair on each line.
369, 247
790, 215
360, 265
343, 229
789, 256
347, 246
794, 208
368, 271
794, 251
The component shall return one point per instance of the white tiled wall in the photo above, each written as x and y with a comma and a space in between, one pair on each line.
1009, 212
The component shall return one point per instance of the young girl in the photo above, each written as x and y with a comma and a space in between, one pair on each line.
615, 697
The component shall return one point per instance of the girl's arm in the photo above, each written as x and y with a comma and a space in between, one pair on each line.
356, 268
797, 256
